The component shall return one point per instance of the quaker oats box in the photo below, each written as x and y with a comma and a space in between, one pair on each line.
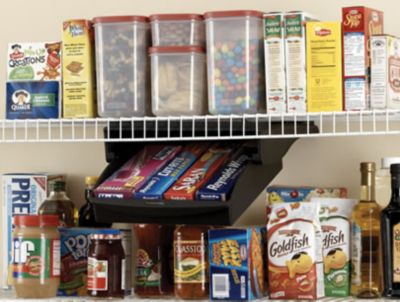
22, 194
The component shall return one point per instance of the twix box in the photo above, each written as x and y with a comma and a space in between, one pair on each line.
78, 69
359, 24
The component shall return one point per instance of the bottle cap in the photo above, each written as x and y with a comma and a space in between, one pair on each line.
386, 162
368, 167
91, 180
27, 220
57, 186
49, 221
395, 169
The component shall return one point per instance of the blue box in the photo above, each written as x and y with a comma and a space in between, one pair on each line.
237, 263
33, 100
220, 186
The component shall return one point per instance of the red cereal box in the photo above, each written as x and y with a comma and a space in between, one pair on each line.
186, 186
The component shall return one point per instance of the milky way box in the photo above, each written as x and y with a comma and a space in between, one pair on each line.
33, 100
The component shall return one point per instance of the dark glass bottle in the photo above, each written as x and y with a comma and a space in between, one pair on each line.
390, 226
86, 212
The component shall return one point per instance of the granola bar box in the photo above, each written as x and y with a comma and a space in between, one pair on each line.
236, 263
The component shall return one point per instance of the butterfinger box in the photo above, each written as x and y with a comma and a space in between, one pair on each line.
236, 263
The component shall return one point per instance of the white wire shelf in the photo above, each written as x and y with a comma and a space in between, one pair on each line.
227, 127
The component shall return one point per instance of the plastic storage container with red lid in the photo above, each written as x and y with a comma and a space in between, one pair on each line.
178, 77
235, 62
177, 29
122, 65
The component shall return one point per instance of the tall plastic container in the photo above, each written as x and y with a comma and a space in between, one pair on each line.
383, 184
178, 78
235, 62
122, 65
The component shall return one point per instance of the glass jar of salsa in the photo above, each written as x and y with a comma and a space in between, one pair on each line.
153, 273
106, 265
191, 262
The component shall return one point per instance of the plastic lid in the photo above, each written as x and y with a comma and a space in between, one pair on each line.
172, 49
386, 162
57, 186
91, 180
166, 17
234, 13
120, 19
27, 220
49, 221
106, 234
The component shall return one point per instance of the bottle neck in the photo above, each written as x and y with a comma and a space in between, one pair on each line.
367, 186
58, 195
395, 198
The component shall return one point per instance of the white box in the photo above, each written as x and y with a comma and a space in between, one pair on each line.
385, 72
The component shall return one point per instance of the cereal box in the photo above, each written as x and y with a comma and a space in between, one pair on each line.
359, 24
33, 100
34, 61
236, 263
295, 264
295, 55
78, 70
74, 253
186, 186
385, 72
22, 194
165, 178
126, 180
335, 215
324, 66
274, 50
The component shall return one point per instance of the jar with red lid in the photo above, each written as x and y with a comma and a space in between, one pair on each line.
106, 265
36, 256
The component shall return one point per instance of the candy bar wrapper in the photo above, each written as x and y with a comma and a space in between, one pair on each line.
202, 170
136, 171
220, 186
159, 183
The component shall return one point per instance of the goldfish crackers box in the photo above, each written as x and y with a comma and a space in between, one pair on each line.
294, 245
236, 263
359, 24
78, 70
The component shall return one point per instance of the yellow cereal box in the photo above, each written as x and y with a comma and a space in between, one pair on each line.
324, 66
78, 69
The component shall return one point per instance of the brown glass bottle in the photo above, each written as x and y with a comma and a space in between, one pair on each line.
153, 273
366, 241
191, 262
390, 227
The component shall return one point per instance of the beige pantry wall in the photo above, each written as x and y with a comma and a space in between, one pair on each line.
320, 162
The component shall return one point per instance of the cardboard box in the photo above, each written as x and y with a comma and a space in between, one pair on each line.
385, 72
295, 56
79, 90
324, 66
22, 194
236, 263
274, 50
359, 24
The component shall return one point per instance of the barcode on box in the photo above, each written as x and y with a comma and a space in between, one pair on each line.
220, 286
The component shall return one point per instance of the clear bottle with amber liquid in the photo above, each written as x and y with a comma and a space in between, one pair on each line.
390, 227
366, 242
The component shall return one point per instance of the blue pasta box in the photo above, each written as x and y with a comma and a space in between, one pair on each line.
237, 270
220, 186
33, 100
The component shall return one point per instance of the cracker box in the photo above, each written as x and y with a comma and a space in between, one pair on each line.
236, 263
34, 61
220, 186
22, 194
134, 173
295, 56
295, 264
274, 50
33, 100
197, 175
165, 178
78, 70
385, 72
74, 254
324, 66
359, 24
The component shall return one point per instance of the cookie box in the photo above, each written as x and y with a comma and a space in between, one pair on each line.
236, 263
126, 180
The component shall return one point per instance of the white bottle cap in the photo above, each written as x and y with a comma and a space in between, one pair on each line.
387, 161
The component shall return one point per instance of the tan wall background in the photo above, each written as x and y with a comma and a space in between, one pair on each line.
319, 162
